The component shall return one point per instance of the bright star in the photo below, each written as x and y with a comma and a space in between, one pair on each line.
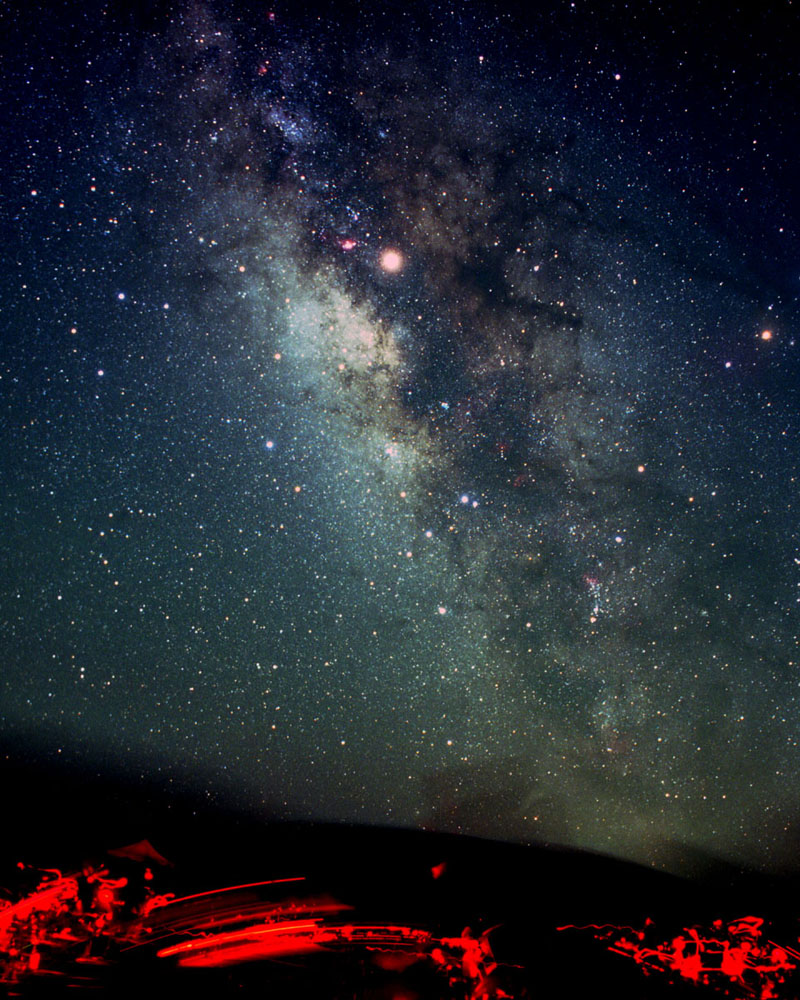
391, 261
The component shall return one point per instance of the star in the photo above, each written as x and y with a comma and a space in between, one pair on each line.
391, 260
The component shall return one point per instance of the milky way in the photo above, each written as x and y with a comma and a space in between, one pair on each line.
398, 430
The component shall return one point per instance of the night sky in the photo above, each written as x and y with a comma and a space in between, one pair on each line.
400, 409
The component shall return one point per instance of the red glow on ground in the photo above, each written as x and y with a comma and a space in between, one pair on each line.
234, 888
76, 921
727, 956
245, 945
87, 919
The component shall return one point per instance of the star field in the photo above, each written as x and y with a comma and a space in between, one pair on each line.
399, 415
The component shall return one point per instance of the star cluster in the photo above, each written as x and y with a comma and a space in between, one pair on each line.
400, 420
